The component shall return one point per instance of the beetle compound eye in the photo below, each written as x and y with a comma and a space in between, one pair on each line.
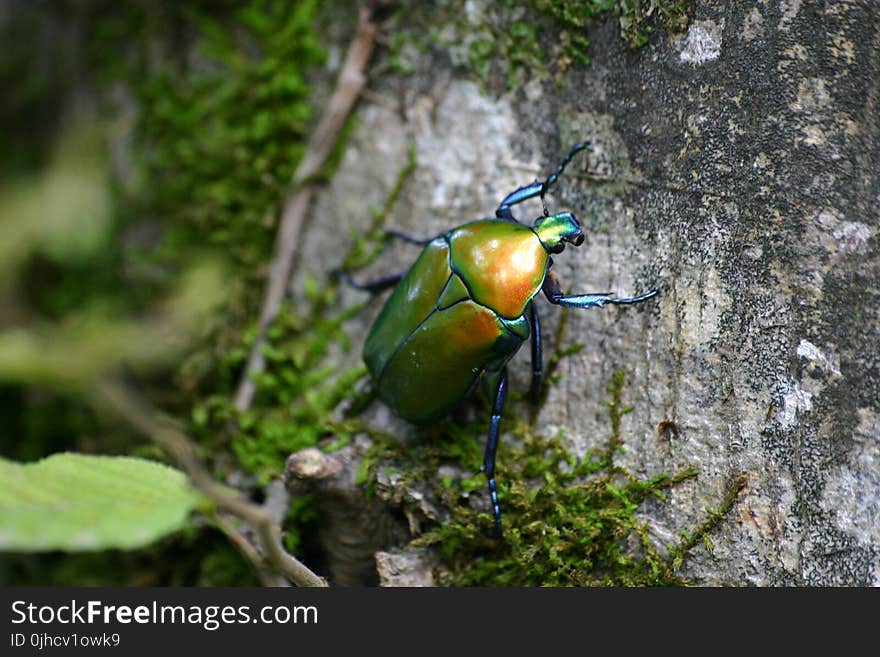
579, 239
556, 229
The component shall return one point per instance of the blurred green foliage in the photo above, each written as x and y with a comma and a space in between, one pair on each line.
138, 138
78, 502
62, 215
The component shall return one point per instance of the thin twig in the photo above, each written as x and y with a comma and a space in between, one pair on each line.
116, 398
296, 204
267, 576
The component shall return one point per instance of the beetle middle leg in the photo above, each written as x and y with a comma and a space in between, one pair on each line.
374, 286
418, 241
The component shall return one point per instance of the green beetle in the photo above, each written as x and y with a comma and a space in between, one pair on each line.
462, 311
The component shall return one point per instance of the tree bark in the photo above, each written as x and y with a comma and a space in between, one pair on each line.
736, 166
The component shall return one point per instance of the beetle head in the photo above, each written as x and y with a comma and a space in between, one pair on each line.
557, 229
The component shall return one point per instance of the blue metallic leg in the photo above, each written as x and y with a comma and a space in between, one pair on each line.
518, 196
554, 295
374, 286
553, 177
492, 446
409, 238
537, 353
589, 300
537, 188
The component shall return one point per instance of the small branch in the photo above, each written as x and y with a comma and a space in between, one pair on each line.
115, 398
248, 551
296, 204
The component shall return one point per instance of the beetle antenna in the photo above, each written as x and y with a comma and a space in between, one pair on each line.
553, 177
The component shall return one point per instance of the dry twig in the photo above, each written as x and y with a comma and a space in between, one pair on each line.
116, 398
296, 204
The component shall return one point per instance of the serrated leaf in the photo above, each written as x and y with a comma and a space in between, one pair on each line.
81, 502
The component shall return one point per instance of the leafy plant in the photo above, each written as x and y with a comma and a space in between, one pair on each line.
80, 502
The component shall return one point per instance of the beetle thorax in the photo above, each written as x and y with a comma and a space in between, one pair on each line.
502, 263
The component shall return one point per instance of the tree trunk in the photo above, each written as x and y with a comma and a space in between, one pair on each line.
734, 165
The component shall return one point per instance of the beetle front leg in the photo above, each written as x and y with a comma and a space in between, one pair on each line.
518, 196
553, 177
554, 295
537, 188
492, 446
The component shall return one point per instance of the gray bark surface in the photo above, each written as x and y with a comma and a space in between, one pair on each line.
735, 165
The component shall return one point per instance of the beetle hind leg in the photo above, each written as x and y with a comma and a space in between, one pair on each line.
492, 446
537, 353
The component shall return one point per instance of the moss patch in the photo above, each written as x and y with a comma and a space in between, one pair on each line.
216, 108
569, 521
507, 43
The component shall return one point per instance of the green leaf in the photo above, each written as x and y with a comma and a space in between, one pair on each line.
81, 502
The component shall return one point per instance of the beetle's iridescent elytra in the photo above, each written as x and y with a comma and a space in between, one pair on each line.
465, 307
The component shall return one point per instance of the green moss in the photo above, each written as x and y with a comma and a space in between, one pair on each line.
297, 393
635, 18
574, 19
569, 521
220, 141
218, 146
506, 43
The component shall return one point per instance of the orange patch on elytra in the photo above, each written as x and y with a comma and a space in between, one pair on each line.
478, 331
